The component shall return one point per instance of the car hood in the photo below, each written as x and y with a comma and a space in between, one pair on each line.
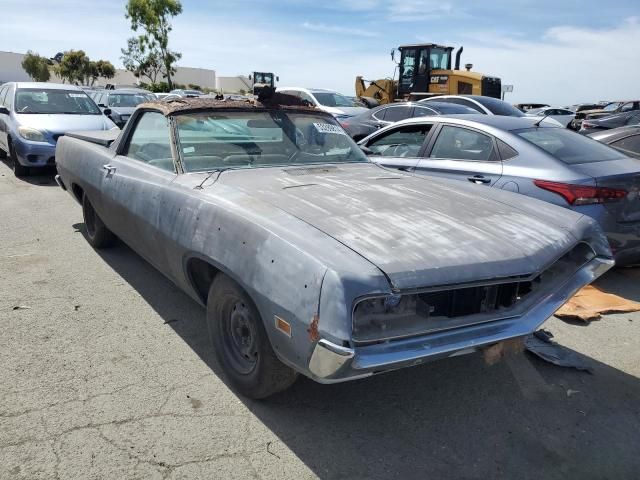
65, 123
418, 231
123, 110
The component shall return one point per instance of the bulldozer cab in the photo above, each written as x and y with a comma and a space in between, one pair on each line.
261, 80
416, 64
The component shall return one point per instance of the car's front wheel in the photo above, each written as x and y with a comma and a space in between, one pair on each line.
19, 170
241, 343
98, 235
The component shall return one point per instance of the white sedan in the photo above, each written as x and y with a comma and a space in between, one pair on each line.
561, 115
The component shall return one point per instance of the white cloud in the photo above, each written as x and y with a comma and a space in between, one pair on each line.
567, 64
336, 29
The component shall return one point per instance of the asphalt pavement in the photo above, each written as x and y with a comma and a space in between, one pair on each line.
107, 373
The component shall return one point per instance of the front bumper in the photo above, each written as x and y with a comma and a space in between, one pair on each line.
34, 154
332, 363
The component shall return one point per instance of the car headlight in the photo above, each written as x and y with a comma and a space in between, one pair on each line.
31, 134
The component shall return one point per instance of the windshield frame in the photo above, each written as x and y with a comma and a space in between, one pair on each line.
327, 118
90, 101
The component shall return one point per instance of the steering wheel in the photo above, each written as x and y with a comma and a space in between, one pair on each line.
400, 150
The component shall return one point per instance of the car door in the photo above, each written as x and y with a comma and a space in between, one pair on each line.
135, 184
399, 147
462, 153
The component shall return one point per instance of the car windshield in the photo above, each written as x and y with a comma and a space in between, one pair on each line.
498, 107
221, 139
331, 99
568, 147
128, 99
612, 106
54, 101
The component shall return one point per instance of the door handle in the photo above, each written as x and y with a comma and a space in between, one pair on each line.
110, 169
479, 179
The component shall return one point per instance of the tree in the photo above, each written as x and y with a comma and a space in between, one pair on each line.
74, 66
141, 60
37, 67
101, 69
153, 17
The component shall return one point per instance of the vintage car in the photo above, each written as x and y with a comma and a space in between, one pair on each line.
311, 259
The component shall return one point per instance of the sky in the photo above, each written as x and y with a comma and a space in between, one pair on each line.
552, 51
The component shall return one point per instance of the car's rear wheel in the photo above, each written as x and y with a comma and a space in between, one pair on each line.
241, 343
98, 235
19, 170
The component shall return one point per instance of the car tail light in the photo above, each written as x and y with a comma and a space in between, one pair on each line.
586, 124
581, 194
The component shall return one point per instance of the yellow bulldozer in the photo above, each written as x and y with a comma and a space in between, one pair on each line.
425, 71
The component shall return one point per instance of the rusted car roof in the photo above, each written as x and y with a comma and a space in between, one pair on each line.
181, 105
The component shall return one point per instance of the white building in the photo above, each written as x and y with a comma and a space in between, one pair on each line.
11, 71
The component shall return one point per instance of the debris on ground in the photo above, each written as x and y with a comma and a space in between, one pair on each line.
590, 303
494, 353
542, 345
21, 307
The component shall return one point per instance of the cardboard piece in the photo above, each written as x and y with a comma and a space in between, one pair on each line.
590, 303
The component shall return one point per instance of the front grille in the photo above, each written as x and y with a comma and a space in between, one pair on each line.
491, 87
378, 319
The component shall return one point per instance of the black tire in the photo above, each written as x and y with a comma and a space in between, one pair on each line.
241, 342
98, 235
19, 170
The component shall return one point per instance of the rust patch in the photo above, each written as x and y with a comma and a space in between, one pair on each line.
314, 334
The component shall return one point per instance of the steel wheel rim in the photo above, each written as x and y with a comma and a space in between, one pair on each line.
239, 337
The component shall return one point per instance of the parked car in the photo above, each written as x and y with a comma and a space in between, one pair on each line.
161, 96
560, 115
612, 121
368, 122
34, 115
624, 139
485, 105
603, 111
186, 93
549, 163
326, 100
525, 107
311, 259
121, 102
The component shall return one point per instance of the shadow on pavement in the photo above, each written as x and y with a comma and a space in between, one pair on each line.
456, 418
44, 176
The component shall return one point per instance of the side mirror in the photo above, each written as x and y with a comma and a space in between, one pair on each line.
393, 54
107, 111
4, 111
250, 77
277, 79
102, 105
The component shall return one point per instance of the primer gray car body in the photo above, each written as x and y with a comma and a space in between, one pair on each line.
311, 244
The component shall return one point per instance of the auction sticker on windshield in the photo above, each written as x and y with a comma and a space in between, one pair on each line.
328, 128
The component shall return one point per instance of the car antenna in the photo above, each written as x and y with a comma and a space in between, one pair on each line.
537, 124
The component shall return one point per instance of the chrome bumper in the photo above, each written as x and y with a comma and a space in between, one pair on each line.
332, 363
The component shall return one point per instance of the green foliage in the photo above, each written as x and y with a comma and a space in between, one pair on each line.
160, 87
141, 60
37, 67
153, 17
194, 86
77, 67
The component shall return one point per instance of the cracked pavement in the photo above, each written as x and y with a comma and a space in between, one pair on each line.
107, 373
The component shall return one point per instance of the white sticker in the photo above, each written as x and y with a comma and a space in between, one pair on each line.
189, 149
77, 95
328, 128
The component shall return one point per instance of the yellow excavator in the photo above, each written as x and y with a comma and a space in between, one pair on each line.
425, 71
